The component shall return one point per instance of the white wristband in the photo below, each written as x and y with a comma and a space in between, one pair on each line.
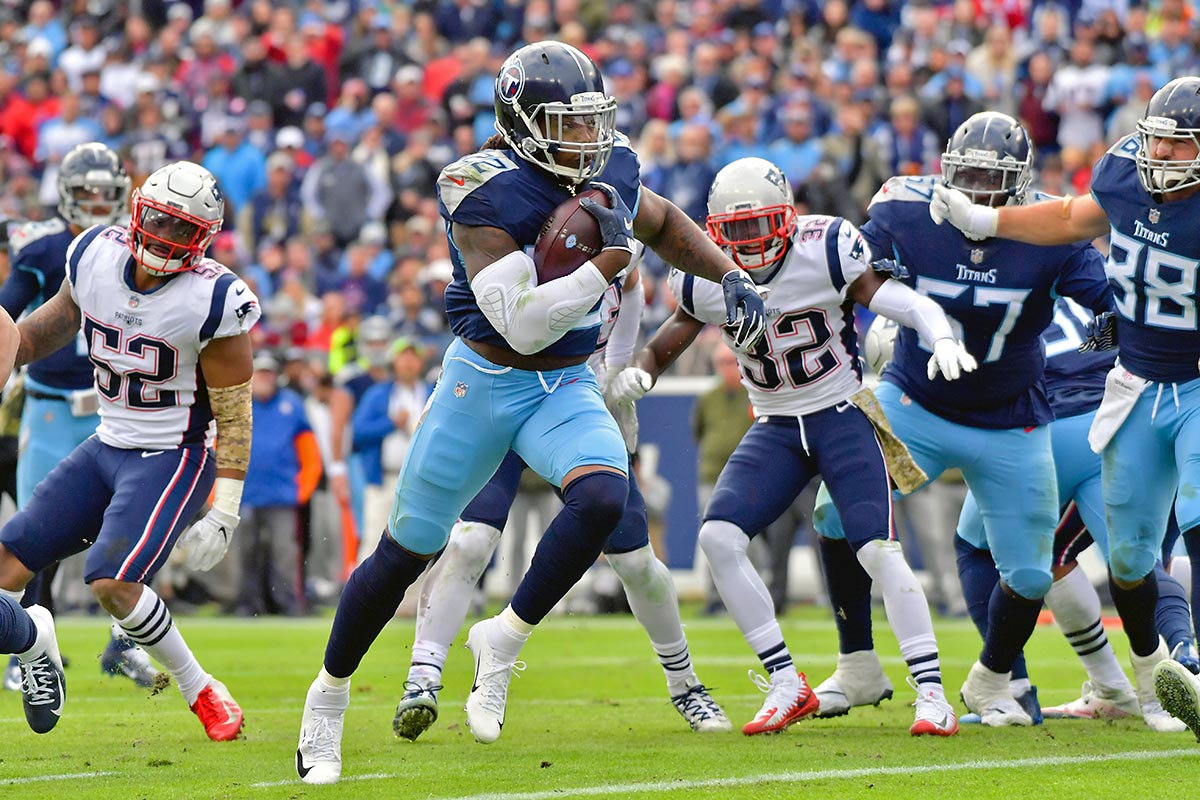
336, 469
984, 221
227, 495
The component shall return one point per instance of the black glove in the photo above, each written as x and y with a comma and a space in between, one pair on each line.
616, 223
745, 317
1101, 333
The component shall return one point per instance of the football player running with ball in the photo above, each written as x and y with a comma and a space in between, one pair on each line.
516, 375
1147, 429
814, 417
993, 424
168, 333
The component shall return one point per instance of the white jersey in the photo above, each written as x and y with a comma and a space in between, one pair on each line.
808, 358
610, 308
145, 346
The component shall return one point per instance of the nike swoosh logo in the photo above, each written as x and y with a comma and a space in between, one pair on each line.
628, 225
300, 768
231, 717
152, 453
458, 181
61, 698
239, 291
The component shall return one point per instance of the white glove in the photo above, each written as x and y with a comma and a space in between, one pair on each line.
975, 221
628, 386
627, 422
207, 540
951, 359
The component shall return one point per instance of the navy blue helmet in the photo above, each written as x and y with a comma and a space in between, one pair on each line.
552, 110
93, 186
990, 159
1172, 113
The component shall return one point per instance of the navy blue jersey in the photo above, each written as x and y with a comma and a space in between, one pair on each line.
498, 189
1154, 255
1074, 380
39, 263
998, 293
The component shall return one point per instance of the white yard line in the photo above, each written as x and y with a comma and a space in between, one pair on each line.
74, 776
795, 777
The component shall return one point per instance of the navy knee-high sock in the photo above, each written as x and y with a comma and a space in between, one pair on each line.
1011, 621
369, 600
592, 507
979, 578
849, 588
17, 631
1191, 540
1136, 607
1172, 616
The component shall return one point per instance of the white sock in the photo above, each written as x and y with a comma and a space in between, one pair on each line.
446, 594
150, 625
1076, 608
428, 658
330, 683
767, 643
507, 634
737, 581
651, 594
906, 606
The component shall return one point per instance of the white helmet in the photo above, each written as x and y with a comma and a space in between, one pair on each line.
751, 212
176, 214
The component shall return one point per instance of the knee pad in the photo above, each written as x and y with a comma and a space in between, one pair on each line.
419, 536
1029, 583
1129, 562
637, 567
598, 498
723, 542
471, 546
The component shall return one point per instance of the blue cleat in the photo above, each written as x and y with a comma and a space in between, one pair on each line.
1029, 704
43, 683
1185, 654
123, 657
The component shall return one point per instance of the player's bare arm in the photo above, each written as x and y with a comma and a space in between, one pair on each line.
10, 339
50, 328
669, 341
663, 226
1050, 222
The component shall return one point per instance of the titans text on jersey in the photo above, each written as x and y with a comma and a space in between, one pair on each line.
1154, 257
1002, 294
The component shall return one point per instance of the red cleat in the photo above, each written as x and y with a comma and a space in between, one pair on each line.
789, 700
219, 713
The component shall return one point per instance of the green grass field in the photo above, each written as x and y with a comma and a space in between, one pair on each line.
589, 717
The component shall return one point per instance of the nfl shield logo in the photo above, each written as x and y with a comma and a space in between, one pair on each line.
460, 390
977, 256
1154, 215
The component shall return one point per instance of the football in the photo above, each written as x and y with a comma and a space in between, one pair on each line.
569, 237
879, 343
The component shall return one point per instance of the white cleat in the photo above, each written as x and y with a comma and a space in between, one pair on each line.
1156, 717
1179, 692
319, 754
989, 695
935, 716
702, 713
1098, 702
489, 691
857, 681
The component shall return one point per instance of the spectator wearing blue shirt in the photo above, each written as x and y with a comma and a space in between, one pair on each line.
384, 422
239, 167
798, 152
285, 468
686, 182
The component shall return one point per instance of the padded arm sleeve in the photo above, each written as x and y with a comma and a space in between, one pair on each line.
532, 317
623, 337
896, 301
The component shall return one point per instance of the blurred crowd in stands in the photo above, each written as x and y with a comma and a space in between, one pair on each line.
326, 123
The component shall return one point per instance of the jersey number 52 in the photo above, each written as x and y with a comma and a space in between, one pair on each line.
137, 386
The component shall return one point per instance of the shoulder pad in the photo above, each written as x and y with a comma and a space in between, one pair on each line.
209, 270
912, 189
460, 179
1126, 147
25, 234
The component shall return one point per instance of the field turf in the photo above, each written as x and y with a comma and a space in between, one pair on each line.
589, 718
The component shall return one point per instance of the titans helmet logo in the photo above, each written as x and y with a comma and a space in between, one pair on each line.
510, 82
